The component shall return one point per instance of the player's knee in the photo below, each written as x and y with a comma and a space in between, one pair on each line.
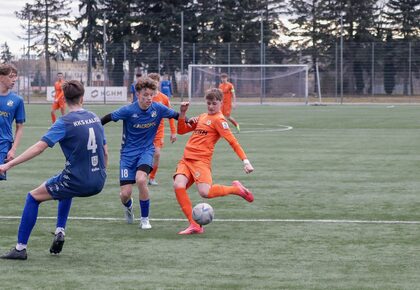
178, 183
141, 179
203, 193
125, 194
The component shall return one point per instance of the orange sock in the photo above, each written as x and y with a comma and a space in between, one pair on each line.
53, 118
153, 173
234, 123
185, 203
217, 190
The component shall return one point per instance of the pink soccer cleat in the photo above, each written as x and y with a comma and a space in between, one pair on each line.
192, 229
244, 192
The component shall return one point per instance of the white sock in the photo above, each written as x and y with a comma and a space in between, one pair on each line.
59, 230
20, 247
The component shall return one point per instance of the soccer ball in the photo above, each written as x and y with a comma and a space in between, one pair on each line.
203, 213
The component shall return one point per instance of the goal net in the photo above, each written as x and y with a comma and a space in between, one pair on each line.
253, 83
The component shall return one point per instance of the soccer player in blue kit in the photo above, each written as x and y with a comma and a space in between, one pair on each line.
82, 140
11, 109
141, 120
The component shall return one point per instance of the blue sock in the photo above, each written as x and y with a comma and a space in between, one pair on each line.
63, 211
144, 207
128, 203
28, 220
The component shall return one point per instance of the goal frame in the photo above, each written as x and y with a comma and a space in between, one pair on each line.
305, 66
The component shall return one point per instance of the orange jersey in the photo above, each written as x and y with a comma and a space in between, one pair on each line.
206, 132
227, 90
59, 94
164, 100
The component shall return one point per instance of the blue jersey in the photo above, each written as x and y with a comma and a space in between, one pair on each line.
81, 137
11, 108
140, 126
166, 88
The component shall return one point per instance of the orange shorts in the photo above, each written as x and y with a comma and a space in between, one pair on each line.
195, 170
158, 142
226, 110
61, 104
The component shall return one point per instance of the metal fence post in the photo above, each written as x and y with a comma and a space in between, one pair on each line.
373, 70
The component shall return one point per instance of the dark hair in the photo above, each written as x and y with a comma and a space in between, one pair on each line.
138, 75
223, 75
73, 91
146, 83
6, 69
214, 94
154, 76
59, 73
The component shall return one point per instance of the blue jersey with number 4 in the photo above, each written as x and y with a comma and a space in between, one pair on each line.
82, 139
140, 126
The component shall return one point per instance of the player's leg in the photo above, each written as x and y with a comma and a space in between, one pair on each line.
156, 158
217, 190
144, 197
63, 211
27, 222
235, 123
54, 107
127, 179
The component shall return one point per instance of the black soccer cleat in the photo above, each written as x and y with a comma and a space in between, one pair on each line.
14, 254
57, 244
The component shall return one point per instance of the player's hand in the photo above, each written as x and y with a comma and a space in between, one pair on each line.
184, 107
3, 168
10, 156
193, 120
173, 138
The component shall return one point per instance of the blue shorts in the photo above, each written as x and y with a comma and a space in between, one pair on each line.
60, 187
130, 165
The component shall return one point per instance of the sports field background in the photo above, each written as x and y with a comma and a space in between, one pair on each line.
337, 206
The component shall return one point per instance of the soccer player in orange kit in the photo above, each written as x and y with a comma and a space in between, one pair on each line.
160, 134
58, 102
195, 165
229, 99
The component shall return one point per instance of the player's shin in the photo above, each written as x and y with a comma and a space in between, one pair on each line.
28, 220
217, 190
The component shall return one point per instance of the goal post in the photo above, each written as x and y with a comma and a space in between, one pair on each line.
253, 83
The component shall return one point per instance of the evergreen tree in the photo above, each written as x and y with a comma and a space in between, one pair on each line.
5, 54
44, 20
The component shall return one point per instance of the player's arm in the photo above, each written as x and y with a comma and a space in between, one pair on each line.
106, 155
224, 131
18, 136
28, 154
171, 122
106, 119
233, 98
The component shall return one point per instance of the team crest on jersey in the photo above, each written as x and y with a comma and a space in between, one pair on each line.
225, 125
154, 114
208, 123
94, 161
197, 174
10, 103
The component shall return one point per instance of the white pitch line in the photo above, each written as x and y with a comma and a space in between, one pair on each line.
320, 221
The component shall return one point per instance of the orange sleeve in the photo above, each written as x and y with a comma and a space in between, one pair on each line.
171, 121
184, 128
222, 128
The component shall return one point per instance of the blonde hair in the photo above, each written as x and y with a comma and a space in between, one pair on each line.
214, 94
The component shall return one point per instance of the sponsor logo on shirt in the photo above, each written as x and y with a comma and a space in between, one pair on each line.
134, 116
208, 123
144, 126
200, 132
86, 122
4, 114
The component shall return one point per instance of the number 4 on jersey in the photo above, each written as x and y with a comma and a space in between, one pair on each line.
91, 145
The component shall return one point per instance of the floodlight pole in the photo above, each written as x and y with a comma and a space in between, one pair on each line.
341, 57
105, 55
262, 54
29, 55
182, 54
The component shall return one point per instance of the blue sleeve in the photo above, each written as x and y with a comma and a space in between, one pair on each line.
55, 134
20, 113
120, 114
168, 112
